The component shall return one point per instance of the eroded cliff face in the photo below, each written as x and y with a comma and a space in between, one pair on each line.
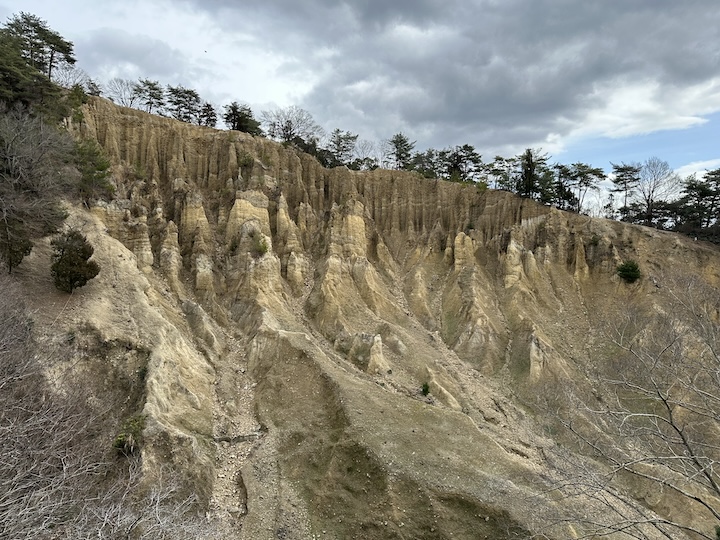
292, 314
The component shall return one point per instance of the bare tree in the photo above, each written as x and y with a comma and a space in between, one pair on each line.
366, 155
128, 509
47, 466
658, 417
657, 182
291, 125
31, 157
67, 76
122, 91
58, 478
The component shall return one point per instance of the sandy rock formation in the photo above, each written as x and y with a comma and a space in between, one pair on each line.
294, 313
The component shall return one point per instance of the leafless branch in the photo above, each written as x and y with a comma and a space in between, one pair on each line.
658, 413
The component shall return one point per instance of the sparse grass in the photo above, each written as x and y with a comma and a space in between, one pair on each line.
129, 439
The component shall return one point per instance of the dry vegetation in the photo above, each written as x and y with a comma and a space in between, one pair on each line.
59, 475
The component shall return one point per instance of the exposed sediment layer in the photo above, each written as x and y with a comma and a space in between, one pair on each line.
351, 354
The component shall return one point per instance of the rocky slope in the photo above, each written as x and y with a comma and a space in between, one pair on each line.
285, 318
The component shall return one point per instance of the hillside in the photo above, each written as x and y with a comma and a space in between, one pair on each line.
286, 318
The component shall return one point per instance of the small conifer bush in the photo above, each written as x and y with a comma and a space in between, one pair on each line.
629, 271
71, 267
94, 170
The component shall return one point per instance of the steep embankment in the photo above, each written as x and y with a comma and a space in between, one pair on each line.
290, 315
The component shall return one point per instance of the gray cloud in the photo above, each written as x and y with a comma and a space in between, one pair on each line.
499, 74
493, 73
110, 50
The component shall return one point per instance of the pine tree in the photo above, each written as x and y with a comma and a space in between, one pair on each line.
150, 95
41, 46
532, 168
71, 267
207, 115
400, 151
183, 103
94, 170
626, 179
461, 163
341, 147
240, 118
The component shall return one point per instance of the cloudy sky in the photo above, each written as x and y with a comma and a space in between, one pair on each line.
585, 80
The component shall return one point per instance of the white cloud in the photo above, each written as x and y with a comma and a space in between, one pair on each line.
638, 108
698, 168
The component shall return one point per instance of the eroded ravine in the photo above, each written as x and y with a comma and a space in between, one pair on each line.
291, 316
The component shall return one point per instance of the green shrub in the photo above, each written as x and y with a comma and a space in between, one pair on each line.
629, 271
245, 160
75, 100
129, 439
94, 170
14, 246
71, 268
234, 243
260, 246
142, 373
425, 389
